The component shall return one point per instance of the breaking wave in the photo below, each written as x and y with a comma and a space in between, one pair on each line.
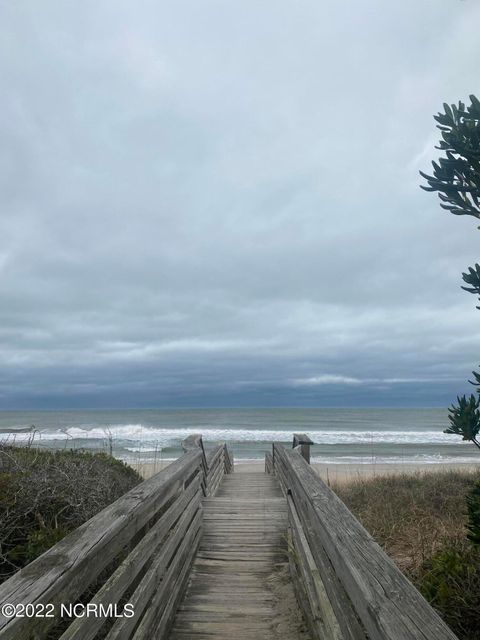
171, 437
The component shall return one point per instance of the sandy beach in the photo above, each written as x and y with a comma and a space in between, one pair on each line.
335, 473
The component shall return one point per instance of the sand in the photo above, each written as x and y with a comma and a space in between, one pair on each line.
334, 473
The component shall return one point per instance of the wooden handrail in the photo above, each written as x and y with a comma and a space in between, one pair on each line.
348, 587
141, 546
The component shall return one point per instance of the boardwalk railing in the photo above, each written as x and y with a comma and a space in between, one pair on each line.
214, 463
139, 550
347, 586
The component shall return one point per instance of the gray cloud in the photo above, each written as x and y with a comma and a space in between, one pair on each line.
209, 203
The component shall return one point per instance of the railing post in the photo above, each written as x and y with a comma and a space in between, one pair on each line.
194, 442
302, 443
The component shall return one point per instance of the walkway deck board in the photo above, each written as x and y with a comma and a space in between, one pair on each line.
243, 546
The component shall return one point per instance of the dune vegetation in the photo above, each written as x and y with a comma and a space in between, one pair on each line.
427, 523
45, 494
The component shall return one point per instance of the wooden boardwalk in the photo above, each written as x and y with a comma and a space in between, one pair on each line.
200, 552
242, 548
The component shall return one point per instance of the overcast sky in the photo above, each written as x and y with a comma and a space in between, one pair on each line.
216, 203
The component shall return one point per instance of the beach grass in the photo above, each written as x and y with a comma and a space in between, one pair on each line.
420, 520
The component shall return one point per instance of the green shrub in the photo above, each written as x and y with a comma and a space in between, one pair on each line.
37, 541
473, 506
451, 583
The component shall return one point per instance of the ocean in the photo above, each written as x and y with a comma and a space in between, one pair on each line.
341, 436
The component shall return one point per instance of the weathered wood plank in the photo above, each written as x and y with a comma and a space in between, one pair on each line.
215, 475
160, 606
177, 592
155, 574
214, 455
85, 628
323, 621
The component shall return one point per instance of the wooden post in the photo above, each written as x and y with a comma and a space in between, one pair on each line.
303, 442
193, 443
